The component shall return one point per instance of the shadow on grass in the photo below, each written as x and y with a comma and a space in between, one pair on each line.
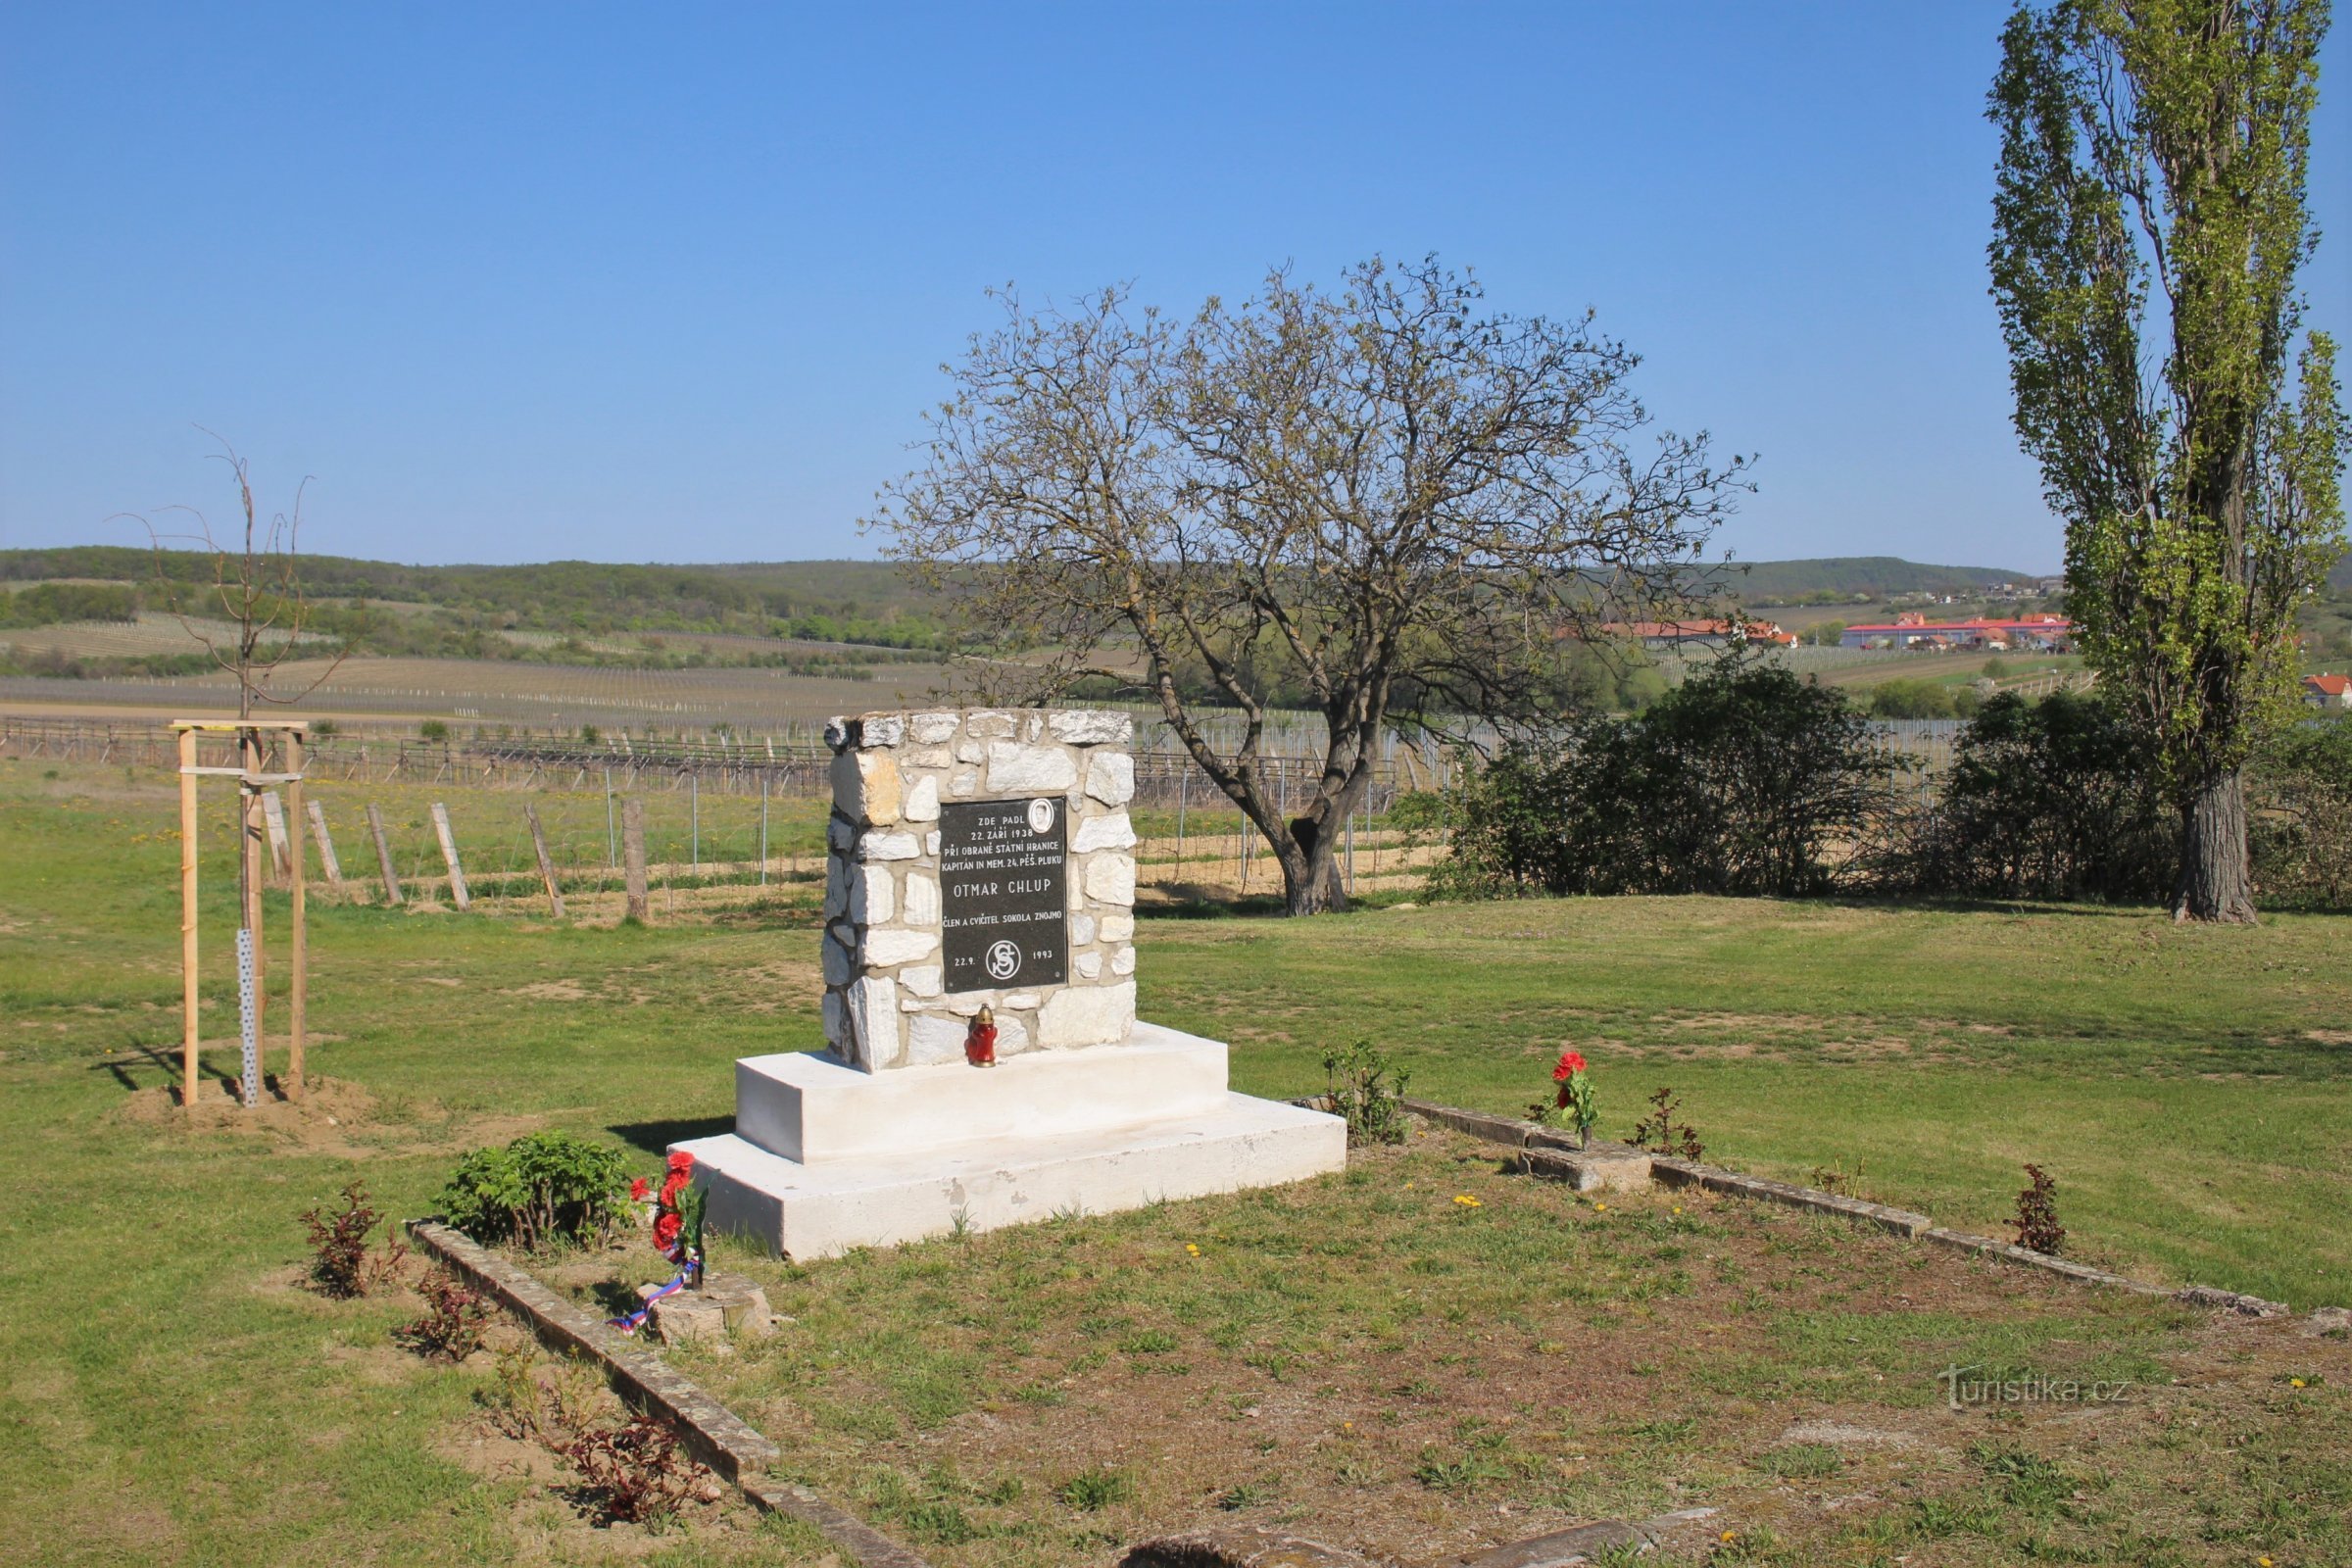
655, 1137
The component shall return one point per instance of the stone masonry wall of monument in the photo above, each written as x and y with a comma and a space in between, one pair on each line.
907, 794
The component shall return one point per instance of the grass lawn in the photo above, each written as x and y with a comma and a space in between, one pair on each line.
173, 1397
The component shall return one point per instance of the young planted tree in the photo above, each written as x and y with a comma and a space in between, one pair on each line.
1381, 502
2147, 229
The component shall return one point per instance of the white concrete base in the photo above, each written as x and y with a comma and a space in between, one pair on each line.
816, 1107
1102, 1142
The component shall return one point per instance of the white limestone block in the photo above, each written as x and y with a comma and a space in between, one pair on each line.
932, 1038
1110, 777
922, 981
931, 842
969, 752
1082, 930
1113, 832
1123, 961
1090, 727
1088, 964
870, 900
873, 1006
988, 725
1086, 1015
935, 1038
1029, 769
965, 781
922, 900
891, 945
921, 803
889, 847
933, 729
1110, 879
1023, 1000
1119, 928
882, 729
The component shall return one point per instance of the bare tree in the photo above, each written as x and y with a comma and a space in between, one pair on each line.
1379, 500
255, 587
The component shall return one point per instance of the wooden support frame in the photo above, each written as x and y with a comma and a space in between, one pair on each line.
255, 849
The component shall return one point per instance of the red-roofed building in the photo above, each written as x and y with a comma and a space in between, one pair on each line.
2043, 633
1697, 634
2327, 691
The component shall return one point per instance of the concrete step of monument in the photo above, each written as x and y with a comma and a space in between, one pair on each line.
808, 1211
816, 1108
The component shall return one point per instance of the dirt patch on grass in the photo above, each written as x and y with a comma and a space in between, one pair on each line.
325, 1118
335, 1117
551, 990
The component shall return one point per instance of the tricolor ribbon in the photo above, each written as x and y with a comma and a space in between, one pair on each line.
636, 1320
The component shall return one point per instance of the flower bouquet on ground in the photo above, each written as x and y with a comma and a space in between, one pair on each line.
1570, 1109
677, 1216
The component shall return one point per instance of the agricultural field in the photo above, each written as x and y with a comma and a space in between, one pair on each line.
1369, 1356
539, 696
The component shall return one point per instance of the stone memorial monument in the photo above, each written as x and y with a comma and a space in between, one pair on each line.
985, 1064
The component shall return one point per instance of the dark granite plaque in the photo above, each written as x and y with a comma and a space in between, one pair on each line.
1003, 869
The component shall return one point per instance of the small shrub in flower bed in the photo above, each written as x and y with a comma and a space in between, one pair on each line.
633, 1472
541, 1188
341, 1264
451, 1329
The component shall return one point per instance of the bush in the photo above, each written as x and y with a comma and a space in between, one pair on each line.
2037, 1223
341, 1265
1660, 1134
542, 1188
1367, 1092
2047, 799
634, 1470
2300, 806
451, 1329
1738, 781
432, 729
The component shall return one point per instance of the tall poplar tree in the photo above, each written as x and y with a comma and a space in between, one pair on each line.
2147, 229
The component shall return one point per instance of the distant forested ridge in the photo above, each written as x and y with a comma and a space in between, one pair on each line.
1844, 576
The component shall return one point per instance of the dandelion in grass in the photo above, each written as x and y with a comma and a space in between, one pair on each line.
1467, 1202
1193, 1249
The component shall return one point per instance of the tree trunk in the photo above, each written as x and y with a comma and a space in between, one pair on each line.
2216, 881
1311, 871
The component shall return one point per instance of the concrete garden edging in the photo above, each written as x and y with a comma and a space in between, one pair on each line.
713, 1433
1551, 1157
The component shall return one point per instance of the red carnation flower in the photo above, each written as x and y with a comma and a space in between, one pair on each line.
1571, 1064
680, 1163
671, 1188
640, 1190
665, 1231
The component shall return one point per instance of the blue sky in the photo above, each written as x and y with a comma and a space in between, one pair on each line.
638, 283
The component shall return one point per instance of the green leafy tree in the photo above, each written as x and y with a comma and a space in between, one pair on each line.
2148, 225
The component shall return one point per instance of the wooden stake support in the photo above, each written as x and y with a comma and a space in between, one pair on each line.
261, 821
632, 854
384, 856
449, 852
326, 846
274, 818
547, 866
